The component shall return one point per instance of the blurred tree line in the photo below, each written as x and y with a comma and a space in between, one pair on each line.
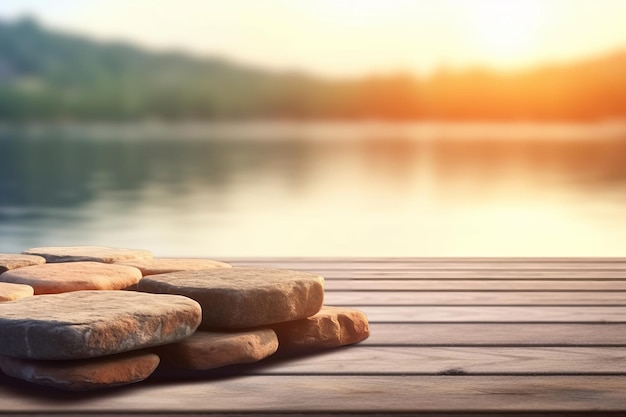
45, 75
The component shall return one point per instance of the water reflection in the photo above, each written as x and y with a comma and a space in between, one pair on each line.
325, 192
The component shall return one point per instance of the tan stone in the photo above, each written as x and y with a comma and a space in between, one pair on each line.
207, 350
87, 253
331, 327
12, 292
243, 297
86, 324
74, 276
166, 265
83, 374
9, 261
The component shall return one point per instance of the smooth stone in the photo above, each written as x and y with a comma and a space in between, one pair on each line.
12, 292
243, 297
88, 253
87, 324
74, 276
83, 374
208, 350
166, 265
331, 327
10, 261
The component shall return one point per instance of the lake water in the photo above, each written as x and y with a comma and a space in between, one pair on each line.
317, 189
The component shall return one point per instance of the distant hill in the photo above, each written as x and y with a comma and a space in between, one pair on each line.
46, 75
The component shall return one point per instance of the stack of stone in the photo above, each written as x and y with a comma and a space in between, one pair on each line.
82, 318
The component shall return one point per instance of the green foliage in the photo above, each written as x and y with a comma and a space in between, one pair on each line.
46, 75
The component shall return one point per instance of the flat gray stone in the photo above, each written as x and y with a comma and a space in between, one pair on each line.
87, 324
83, 374
331, 327
12, 292
74, 276
243, 297
88, 253
208, 350
166, 265
9, 261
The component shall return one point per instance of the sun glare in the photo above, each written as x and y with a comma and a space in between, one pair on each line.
366, 13
500, 33
506, 32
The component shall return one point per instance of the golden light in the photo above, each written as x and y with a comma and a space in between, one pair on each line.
361, 13
507, 32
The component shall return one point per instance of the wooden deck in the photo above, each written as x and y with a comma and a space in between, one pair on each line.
458, 337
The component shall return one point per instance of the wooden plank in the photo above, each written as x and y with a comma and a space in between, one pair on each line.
449, 266
471, 285
494, 314
482, 298
421, 260
496, 334
360, 360
333, 394
389, 274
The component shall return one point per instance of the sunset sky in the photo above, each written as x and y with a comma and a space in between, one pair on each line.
346, 38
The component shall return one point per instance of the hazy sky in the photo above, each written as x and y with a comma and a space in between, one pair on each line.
349, 37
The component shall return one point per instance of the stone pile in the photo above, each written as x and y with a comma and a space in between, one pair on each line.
82, 318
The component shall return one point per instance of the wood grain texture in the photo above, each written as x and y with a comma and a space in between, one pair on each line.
493, 314
439, 360
472, 285
336, 394
479, 298
534, 275
496, 334
422, 259
402, 265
